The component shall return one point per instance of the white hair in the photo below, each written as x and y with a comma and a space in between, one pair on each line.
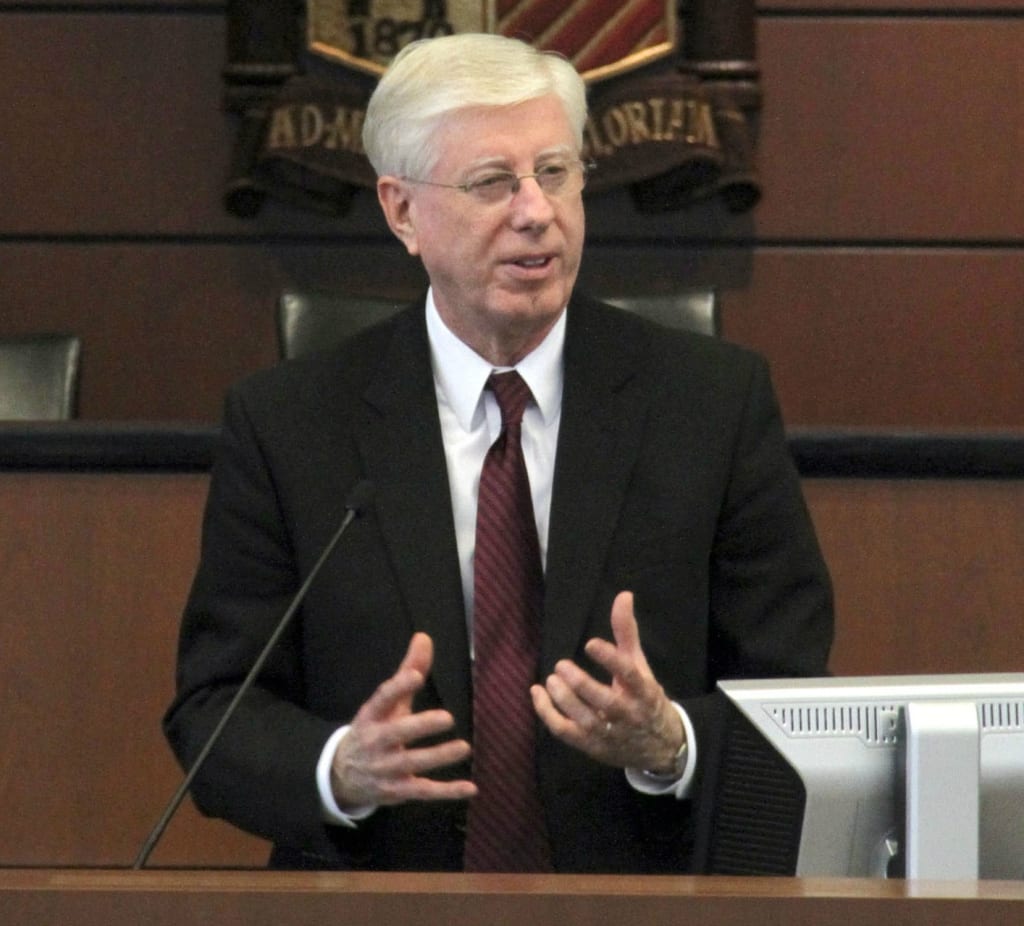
430, 78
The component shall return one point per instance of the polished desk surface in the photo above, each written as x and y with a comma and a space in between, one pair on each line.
155, 897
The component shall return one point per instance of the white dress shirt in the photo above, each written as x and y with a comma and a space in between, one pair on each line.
470, 423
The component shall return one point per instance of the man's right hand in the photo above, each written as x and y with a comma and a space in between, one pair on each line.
377, 763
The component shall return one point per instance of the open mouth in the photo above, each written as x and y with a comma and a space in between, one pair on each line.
532, 263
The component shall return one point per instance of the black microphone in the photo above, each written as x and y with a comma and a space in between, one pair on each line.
355, 505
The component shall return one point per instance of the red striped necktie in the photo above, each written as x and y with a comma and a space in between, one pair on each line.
505, 830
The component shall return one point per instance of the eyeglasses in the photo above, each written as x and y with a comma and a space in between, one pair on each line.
559, 178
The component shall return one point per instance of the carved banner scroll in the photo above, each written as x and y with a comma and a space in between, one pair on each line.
673, 91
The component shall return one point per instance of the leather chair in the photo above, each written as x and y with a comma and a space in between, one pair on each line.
314, 320
308, 321
39, 377
691, 309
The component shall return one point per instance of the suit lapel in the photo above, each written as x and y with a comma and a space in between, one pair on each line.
402, 446
602, 417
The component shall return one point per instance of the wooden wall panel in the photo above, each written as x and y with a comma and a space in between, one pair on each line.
96, 568
165, 329
874, 338
889, 338
882, 274
764, 7
191, 318
896, 130
927, 574
868, 132
892, 129
887, 7
119, 128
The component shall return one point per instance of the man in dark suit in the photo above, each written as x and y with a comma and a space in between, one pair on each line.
675, 543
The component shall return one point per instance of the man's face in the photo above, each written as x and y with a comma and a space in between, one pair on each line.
503, 271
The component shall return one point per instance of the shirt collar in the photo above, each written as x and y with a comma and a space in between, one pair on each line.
460, 373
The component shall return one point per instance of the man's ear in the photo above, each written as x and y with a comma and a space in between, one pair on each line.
396, 203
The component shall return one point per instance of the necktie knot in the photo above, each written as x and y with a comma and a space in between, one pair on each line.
512, 394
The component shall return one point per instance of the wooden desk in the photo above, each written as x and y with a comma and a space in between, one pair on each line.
109, 898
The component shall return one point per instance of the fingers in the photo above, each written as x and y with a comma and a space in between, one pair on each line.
377, 761
367, 774
581, 697
576, 710
397, 775
588, 702
401, 791
621, 723
626, 630
624, 660
564, 709
580, 726
557, 722
404, 768
395, 695
419, 657
400, 731
623, 621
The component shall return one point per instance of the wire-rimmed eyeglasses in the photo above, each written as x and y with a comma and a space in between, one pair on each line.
558, 178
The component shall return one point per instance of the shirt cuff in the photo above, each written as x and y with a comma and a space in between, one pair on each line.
331, 811
646, 783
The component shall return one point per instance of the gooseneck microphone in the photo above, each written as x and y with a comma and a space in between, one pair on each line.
355, 505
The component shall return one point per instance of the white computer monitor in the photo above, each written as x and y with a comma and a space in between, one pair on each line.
885, 776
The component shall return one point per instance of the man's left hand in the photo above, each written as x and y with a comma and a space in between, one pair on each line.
629, 723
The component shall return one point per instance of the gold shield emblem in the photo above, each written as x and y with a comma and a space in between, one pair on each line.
602, 38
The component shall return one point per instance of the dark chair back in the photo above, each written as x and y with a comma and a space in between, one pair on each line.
39, 377
308, 321
315, 320
691, 309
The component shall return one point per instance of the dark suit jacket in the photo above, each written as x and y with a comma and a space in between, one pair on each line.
673, 479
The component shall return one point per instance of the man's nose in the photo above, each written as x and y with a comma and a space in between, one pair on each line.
530, 204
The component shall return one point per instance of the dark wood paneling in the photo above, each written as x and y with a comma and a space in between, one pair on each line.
137, 143
97, 566
184, 447
765, 7
945, 7
892, 128
114, 123
873, 338
166, 327
872, 128
905, 338
927, 574
895, 131
96, 569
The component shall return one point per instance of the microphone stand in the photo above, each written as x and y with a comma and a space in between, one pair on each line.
354, 507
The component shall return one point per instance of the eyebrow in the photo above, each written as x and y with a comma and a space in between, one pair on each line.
500, 163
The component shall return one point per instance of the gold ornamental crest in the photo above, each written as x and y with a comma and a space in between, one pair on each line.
602, 38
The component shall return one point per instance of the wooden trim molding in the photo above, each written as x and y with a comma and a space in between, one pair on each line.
182, 447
